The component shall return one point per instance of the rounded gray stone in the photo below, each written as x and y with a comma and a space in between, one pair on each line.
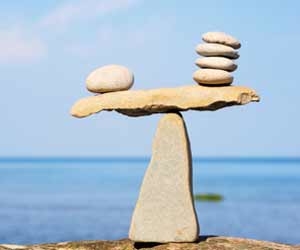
215, 49
213, 77
222, 38
109, 78
216, 63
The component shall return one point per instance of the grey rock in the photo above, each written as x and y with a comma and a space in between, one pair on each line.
213, 77
216, 63
109, 78
165, 208
222, 38
215, 49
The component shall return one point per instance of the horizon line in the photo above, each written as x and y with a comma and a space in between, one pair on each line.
78, 159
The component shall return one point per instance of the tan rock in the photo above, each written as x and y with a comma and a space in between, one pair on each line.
12, 246
205, 242
165, 209
212, 77
109, 78
216, 63
215, 49
146, 102
222, 38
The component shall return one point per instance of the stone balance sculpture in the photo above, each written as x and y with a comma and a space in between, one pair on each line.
165, 209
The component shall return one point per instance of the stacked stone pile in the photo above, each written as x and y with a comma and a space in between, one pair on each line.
218, 51
165, 210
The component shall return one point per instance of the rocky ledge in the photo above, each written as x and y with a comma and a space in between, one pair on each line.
205, 242
146, 102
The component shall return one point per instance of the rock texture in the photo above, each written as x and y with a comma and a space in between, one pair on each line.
213, 62
222, 38
215, 49
205, 242
213, 77
146, 102
165, 209
109, 78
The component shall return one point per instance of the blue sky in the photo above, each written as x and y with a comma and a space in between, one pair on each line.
47, 48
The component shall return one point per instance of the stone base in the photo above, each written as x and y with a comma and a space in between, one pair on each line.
205, 242
165, 208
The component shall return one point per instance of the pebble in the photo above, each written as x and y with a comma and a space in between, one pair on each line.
110, 78
222, 38
216, 63
213, 77
215, 49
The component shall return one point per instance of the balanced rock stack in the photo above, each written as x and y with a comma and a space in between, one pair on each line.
218, 51
165, 210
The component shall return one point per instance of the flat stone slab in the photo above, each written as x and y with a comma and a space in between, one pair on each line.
165, 210
147, 102
205, 242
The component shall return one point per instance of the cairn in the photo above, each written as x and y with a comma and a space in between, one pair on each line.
218, 51
165, 210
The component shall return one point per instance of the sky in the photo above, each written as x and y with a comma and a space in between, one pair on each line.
47, 49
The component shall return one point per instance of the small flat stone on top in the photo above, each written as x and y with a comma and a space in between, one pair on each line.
213, 77
216, 63
110, 78
215, 49
222, 38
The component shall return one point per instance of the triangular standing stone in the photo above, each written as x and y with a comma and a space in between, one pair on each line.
165, 208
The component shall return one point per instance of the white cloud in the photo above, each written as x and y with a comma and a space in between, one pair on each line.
79, 10
16, 47
24, 44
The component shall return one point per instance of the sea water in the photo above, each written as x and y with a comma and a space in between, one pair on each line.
53, 200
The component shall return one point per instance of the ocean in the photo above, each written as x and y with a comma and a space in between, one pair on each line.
69, 199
